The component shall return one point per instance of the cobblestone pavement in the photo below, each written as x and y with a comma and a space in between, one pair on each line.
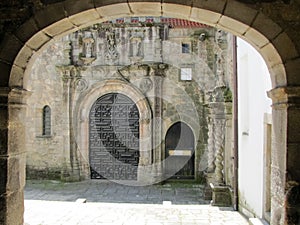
103, 202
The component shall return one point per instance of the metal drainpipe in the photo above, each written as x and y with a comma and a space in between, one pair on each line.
235, 126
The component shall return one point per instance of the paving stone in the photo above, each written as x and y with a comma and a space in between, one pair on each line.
48, 203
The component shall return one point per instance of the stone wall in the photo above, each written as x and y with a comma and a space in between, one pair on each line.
46, 153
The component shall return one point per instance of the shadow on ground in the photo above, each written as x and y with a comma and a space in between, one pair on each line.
110, 192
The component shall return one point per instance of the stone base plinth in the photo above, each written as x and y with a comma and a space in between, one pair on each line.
221, 195
209, 176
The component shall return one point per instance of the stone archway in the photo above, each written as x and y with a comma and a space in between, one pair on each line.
277, 46
81, 123
114, 138
180, 152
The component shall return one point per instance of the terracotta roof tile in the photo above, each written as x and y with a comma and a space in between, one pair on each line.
172, 22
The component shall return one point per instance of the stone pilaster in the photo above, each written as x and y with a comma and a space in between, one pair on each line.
285, 169
4, 199
157, 76
71, 169
12, 155
228, 146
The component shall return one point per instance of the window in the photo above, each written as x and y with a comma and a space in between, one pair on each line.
186, 74
185, 48
46, 120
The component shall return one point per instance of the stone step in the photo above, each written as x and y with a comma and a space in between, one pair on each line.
257, 221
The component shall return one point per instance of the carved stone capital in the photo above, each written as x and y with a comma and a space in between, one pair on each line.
158, 69
69, 72
285, 96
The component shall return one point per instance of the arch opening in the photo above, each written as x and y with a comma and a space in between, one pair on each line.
180, 152
275, 61
114, 138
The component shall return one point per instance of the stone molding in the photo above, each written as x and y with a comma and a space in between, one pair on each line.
81, 121
285, 96
18, 96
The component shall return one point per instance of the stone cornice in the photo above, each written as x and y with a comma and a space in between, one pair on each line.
18, 96
285, 96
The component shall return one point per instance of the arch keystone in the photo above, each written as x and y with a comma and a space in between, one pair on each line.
174, 10
16, 77
270, 55
142, 8
208, 17
114, 11
23, 57
84, 17
255, 38
233, 25
38, 40
59, 27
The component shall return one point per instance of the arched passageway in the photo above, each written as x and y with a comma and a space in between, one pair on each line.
180, 152
276, 44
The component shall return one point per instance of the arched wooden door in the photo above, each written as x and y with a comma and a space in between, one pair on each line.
114, 138
179, 152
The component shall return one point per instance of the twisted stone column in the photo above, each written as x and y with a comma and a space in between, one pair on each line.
219, 147
211, 147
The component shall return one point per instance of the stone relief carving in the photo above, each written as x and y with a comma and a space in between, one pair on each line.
136, 50
88, 51
106, 51
146, 85
220, 57
81, 84
111, 54
111, 44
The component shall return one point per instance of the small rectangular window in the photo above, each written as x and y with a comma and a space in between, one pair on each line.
186, 74
185, 47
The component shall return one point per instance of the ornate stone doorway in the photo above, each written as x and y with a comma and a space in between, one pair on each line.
180, 152
114, 138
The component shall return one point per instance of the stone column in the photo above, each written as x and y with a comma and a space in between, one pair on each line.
219, 146
157, 75
285, 155
220, 192
71, 169
219, 125
211, 145
12, 155
228, 146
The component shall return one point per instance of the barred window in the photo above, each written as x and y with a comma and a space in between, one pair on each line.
46, 120
185, 48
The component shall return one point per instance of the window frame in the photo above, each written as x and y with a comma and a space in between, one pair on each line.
186, 76
46, 120
185, 47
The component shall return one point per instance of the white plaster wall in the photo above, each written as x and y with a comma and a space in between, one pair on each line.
253, 83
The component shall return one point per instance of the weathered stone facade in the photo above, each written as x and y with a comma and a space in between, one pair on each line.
142, 59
